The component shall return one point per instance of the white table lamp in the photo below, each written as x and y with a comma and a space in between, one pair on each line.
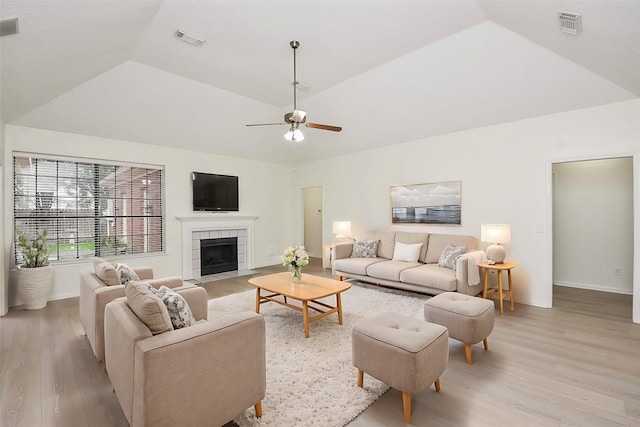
496, 234
342, 231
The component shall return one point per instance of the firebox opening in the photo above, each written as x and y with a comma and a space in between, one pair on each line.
218, 255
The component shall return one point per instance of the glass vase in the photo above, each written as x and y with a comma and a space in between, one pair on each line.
296, 274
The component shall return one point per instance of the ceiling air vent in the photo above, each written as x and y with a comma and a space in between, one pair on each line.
570, 23
8, 26
189, 38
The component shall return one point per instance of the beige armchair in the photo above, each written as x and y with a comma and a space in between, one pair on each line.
205, 374
94, 296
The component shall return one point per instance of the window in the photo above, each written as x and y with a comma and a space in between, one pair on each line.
89, 209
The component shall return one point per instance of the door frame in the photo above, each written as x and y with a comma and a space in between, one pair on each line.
636, 225
302, 214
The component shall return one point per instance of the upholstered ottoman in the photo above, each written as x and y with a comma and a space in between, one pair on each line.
402, 352
468, 319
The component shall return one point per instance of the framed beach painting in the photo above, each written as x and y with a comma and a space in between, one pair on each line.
432, 203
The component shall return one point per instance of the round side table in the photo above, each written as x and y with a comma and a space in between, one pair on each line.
499, 268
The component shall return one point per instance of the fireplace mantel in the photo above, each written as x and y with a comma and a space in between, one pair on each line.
212, 223
216, 218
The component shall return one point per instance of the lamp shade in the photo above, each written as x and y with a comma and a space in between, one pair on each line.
495, 233
342, 228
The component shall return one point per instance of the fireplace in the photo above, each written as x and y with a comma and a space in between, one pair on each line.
202, 227
242, 243
218, 255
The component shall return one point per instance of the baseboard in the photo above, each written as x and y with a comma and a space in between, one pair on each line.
65, 295
594, 287
536, 303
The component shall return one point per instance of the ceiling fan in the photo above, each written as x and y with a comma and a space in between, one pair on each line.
297, 117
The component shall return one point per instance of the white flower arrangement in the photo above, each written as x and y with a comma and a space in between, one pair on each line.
35, 252
295, 256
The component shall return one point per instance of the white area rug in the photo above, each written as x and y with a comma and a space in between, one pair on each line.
312, 381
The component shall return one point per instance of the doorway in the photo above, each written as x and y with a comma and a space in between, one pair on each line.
593, 223
312, 220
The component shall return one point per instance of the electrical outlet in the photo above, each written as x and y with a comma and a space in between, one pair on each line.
618, 271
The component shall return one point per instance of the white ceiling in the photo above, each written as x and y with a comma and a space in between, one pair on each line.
386, 71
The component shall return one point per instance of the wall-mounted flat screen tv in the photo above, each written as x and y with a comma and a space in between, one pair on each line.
212, 192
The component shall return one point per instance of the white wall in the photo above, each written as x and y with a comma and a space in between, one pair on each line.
265, 191
4, 289
592, 217
505, 173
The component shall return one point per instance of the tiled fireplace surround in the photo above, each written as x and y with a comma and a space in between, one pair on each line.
196, 228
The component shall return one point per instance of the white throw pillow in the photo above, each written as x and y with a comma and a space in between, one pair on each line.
406, 252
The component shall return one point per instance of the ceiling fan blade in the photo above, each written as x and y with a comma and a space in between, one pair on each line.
324, 127
266, 124
297, 117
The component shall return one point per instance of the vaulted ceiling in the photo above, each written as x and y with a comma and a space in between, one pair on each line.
386, 71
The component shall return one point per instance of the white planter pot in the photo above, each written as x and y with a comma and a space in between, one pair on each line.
34, 285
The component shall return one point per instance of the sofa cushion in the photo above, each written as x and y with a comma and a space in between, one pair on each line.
413, 237
432, 276
386, 243
177, 306
126, 274
437, 242
390, 270
96, 261
148, 307
365, 249
106, 272
355, 265
406, 252
450, 255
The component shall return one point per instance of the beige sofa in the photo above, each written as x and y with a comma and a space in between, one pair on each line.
201, 375
94, 296
424, 275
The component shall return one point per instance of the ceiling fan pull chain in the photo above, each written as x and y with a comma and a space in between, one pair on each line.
294, 156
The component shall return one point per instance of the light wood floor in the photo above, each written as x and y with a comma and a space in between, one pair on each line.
577, 364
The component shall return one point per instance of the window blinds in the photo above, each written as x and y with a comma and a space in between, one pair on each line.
89, 209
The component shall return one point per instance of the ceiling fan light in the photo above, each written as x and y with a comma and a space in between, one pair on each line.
294, 135
298, 116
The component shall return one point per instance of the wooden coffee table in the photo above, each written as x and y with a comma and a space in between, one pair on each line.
309, 290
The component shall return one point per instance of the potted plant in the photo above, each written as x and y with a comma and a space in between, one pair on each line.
34, 274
